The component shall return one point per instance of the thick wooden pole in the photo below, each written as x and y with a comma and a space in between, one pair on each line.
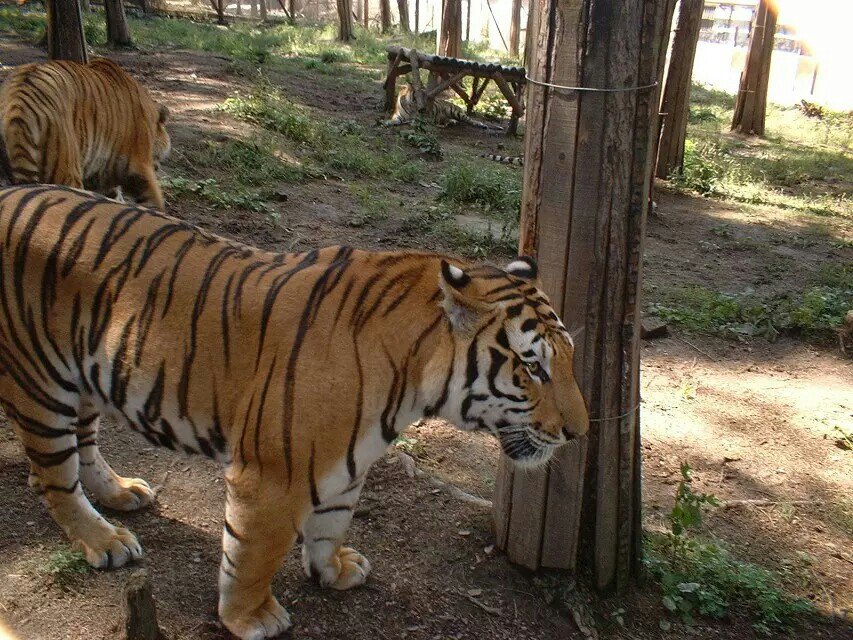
676, 93
751, 104
65, 39
515, 28
345, 31
589, 157
450, 33
118, 33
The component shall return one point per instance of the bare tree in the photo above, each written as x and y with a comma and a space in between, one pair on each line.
450, 35
65, 39
403, 8
515, 28
345, 30
118, 33
676, 93
385, 15
751, 104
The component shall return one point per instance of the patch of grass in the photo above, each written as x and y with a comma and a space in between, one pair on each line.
705, 579
493, 189
256, 162
268, 108
422, 137
65, 566
212, 191
801, 164
373, 205
814, 313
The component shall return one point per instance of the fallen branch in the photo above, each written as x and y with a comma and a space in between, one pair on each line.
492, 610
411, 469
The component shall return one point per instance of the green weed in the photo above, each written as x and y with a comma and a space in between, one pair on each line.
422, 137
256, 162
215, 193
268, 108
704, 579
65, 566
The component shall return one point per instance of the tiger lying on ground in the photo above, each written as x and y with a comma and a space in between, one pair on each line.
83, 125
295, 371
442, 112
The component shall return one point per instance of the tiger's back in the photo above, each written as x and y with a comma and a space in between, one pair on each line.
82, 125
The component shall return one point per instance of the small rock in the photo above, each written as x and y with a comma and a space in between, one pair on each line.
464, 532
653, 327
475, 593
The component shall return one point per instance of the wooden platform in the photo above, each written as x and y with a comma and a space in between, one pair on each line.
448, 73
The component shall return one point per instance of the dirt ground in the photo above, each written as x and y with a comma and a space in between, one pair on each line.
754, 419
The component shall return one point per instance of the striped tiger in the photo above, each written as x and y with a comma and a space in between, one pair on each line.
83, 125
515, 160
442, 112
294, 371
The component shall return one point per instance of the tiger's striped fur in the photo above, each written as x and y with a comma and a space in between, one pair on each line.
515, 160
442, 112
83, 125
295, 371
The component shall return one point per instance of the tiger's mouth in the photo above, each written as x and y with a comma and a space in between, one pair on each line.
525, 448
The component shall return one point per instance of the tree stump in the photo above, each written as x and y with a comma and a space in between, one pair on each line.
140, 613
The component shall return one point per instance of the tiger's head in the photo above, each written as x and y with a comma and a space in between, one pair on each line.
515, 378
162, 142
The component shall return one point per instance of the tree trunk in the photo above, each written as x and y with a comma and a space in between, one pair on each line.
263, 7
65, 39
85, 6
676, 93
291, 9
118, 33
417, 16
468, 21
403, 8
450, 34
588, 162
253, 8
345, 33
751, 104
385, 15
515, 28
239, 8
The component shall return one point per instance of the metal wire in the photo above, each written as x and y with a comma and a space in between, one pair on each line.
621, 415
591, 89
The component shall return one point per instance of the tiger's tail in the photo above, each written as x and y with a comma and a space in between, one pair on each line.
516, 160
14, 143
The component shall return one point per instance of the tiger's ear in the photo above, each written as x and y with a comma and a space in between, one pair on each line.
162, 113
524, 267
462, 302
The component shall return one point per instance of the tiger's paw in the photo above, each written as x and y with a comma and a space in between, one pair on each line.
130, 494
347, 568
267, 621
109, 547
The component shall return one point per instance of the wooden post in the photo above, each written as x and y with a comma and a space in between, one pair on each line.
345, 31
751, 104
450, 34
515, 28
65, 39
385, 15
676, 93
118, 33
588, 159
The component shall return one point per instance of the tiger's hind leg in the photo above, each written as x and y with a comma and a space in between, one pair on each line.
258, 533
50, 441
323, 556
109, 488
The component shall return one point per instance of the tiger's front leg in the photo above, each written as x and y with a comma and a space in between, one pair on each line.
323, 556
259, 531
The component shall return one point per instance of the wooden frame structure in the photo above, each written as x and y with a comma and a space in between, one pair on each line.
448, 73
